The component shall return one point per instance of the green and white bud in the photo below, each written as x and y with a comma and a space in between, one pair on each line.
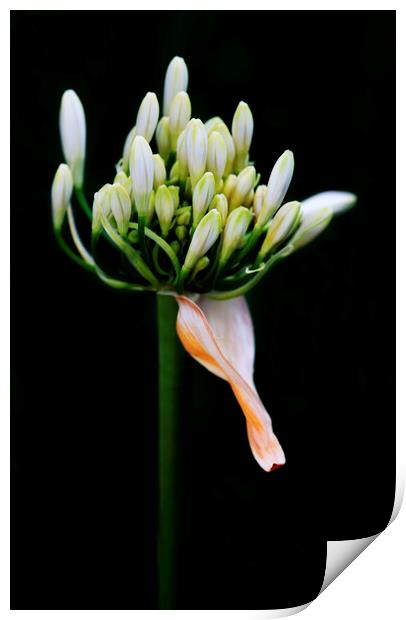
179, 116
72, 126
216, 154
183, 216
220, 203
204, 237
338, 202
226, 135
313, 222
175, 245
281, 226
259, 199
159, 171
181, 233
61, 194
142, 174
147, 116
196, 148
242, 129
101, 202
229, 185
202, 196
176, 80
124, 180
127, 148
236, 226
278, 185
163, 138
244, 184
164, 209
211, 123
151, 209
174, 191
249, 199
181, 154
120, 206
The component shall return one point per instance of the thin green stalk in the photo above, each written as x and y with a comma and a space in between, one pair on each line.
170, 353
83, 202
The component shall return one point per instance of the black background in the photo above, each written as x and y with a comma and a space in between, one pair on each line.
84, 418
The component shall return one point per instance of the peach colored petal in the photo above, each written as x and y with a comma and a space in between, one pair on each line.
223, 342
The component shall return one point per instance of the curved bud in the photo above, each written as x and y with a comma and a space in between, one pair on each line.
179, 116
226, 135
211, 124
204, 237
259, 199
72, 126
338, 202
176, 80
196, 148
124, 180
120, 206
216, 154
159, 171
61, 193
278, 185
281, 226
202, 196
163, 138
101, 203
220, 203
164, 208
242, 129
313, 222
243, 185
181, 154
127, 147
236, 226
147, 116
142, 174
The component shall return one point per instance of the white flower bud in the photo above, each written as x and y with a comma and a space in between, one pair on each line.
127, 147
248, 200
313, 222
204, 237
216, 154
244, 184
211, 124
242, 129
176, 80
229, 185
281, 226
226, 135
61, 193
101, 203
147, 116
151, 209
120, 206
179, 116
202, 196
236, 226
72, 126
159, 171
337, 201
164, 208
124, 180
163, 138
181, 154
259, 199
142, 174
220, 203
278, 185
174, 191
196, 147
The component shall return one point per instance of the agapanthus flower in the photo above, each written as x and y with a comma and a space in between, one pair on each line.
193, 221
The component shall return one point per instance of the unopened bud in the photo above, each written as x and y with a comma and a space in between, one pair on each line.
204, 237
61, 193
183, 216
313, 222
201, 264
211, 124
281, 226
259, 199
216, 154
338, 202
175, 245
242, 129
249, 198
124, 180
120, 206
164, 208
174, 191
159, 171
179, 116
226, 135
196, 148
220, 203
229, 185
142, 174
147, 116
151, 209
202, 196
278, 185
101, 205
235, 228
72, 126
163, 138
127, 148
176, 80
244, 184
181, 233
181, 154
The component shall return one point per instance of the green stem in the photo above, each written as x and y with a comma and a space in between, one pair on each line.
169, 447
83, 202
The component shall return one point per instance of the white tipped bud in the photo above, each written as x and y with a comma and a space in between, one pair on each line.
244, 184
147, 116
142, 174
61, 193
164, 208
226, 135
196, 147
259, 199
236, 226
72, 126
159, 171
229, 185
202, 196
174, 191
204, 237
101, 204
220, 203
179, 116
120, 206
337, 201
127, 147
313, 222
249, 198
282, 225
242, 129
176, 80
211, 124
124, 180
278, 185
181, 154
163, 138
216, 154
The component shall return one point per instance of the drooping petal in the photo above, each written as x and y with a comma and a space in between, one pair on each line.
220, 336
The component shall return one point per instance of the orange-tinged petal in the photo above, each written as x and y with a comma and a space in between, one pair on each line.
220, 336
